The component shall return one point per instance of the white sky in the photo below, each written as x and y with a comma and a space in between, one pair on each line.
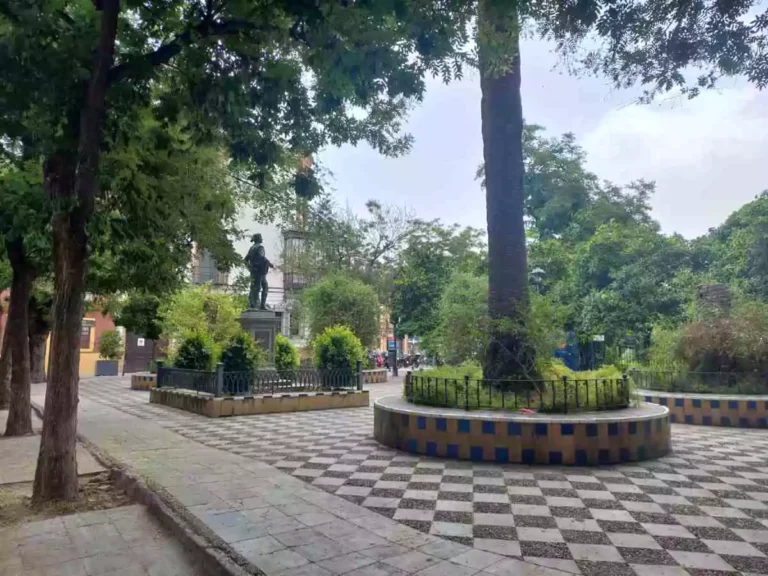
707, 156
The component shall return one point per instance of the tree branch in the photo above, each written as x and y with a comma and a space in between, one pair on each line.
166, 52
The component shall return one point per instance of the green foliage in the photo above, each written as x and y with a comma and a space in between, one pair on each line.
110, 345
196, 352
432, 254
446, 386
242, 354
286, 355
461, 333
341, 300
338, 348
140, 314
197, 309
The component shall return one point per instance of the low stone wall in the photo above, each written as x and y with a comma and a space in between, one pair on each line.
376, 376
712, 409
143, 381
212, 407
632, 434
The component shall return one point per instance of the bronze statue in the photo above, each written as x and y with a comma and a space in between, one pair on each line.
258, 266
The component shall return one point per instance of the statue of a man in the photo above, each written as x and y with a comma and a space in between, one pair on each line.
258, 266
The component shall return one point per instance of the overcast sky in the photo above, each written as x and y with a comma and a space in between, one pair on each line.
708, 156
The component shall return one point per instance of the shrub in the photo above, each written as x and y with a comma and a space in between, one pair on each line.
337, 348
286, 355
196, 352
111, 345
340, 300
242, 354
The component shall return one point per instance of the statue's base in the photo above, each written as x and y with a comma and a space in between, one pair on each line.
264, 326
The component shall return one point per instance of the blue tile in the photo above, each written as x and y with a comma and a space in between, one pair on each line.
751, 404
689, 418
762, 423
672, 417
464, 426
641, 452
529, 456
696, 402
649, 398
555, 457
663, 400
706, 420
502, 455
625, 455
566, 429
744, 423
489, 427
404, 419
581, 458
733, 404
604, 456
632, 428
413, 445
680, 402
714, 403
647, 427
613, 428
591, 430
514, 429
421, 422
541, 429
452, 451
725, 421
476, 453
441, 424
431, 448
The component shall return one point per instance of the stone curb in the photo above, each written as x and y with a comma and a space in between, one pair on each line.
216, 556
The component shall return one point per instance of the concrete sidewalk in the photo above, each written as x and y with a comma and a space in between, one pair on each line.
269, 521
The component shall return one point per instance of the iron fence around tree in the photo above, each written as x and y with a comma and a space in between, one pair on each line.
700, 382
264, 381
555, 396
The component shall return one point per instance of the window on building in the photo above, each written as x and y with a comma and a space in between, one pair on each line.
85, 337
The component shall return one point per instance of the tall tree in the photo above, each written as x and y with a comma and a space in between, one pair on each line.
294, 76
498, 41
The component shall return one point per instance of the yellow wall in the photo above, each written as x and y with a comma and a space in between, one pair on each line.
88, 356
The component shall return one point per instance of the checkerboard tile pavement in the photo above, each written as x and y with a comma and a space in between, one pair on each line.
702, 510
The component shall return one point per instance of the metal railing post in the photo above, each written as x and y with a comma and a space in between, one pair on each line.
466, 391
219, 379
359, 375
159, 372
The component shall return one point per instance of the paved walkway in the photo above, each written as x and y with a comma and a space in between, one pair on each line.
700, 511
18, 455
125, 541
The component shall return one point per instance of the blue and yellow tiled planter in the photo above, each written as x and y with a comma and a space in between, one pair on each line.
143, 381
712, 409
634, 434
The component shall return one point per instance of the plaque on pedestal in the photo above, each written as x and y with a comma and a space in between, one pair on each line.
264, 326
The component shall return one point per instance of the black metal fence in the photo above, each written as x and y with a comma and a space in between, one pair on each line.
556, 396
701, 382
266, 381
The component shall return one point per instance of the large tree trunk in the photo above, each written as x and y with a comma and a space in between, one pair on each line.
20, 410
56, 474
502, 123
5, 369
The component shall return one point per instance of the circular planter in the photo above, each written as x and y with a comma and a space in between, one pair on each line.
712, 409
586, 439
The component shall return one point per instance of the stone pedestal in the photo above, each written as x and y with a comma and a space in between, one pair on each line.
264, 326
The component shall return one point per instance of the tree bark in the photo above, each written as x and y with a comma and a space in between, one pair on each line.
20, 409
39, 328
5, 369
502, 126
56, 474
